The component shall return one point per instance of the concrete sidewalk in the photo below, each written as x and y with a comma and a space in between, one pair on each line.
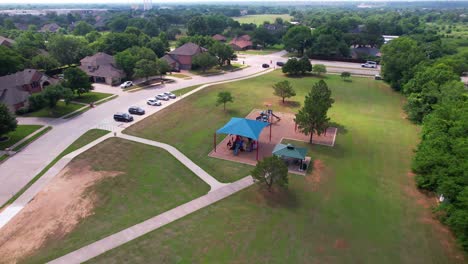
97, 248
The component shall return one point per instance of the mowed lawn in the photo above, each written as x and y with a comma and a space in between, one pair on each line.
259, 19
152, 182
20, 132
357, 206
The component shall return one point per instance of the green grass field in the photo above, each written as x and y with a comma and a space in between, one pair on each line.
152, 182
60, 110
21, 132
259, 19
91, 97
357, 206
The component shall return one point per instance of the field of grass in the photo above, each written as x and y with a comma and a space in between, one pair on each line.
60, 110
21, 132
357, 206
152, 182
86, 138
259, 19
91, 97
268, 50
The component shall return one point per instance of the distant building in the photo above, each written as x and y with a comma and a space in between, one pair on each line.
388, 38
101, 68
219, 37
244, 12
6, 42
16, 88
295, 23
241, 43
53, 27
274, 28
181, 58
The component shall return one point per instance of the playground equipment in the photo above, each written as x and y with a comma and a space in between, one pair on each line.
267, 115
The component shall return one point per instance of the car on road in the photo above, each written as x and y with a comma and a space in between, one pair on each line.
135, 110
162, 97
170, 95
123, 117
153, 101
369, 64
265, 65
280, 63
126, 84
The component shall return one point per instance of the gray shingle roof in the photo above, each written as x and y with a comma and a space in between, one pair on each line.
188, 49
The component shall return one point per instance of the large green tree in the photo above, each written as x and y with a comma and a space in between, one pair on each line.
223, 52
77, 80
313, 118
205, 61
10, 61
44, 62
271, 170
8, 121
297, 39
53, 93
197, 26
284, 90
68, 49
292, 66
82, 28
128, 58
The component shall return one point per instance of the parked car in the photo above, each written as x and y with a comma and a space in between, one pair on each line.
123, 117
135, 110
126, 84
377, 77
170, 95
154, 102
369, 64
162, 97
265, 65
280, 63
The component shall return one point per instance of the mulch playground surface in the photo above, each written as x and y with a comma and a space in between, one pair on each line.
283, 129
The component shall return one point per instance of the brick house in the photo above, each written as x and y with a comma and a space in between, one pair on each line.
241, 43
101, 68
219, 37
181, 58
16, 88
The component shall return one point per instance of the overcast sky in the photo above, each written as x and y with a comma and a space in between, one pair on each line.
155, 1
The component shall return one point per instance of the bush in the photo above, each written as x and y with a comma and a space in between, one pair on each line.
36, 102
22, 111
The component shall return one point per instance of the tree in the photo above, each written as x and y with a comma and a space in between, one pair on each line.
297, 38
292, 66
36, 101
145, 68
53, 93
68, 49
224, 53
312, 118
204, 60
223, 98
197, 26
8, 121
92, 36
319, 69
112, 43
271, 170
158, 46
128, 58
77, 80
284, 90
305, 65
345, 75
399, 56
28, 43
118, 23
10, 61
262, 36
82, 28
44, 62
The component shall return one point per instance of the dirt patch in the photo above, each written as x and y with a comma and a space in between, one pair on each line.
341, 244
427, 201
315, 178
53, 213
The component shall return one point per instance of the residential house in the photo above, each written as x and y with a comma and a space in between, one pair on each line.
53, 27
275, 28
181, 58
102, 68
219, 37
241, 43
388, 38
16, 88
6, 42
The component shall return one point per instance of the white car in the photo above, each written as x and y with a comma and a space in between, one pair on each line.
126, 84
369, 64
154, 102
162, 97
170, 95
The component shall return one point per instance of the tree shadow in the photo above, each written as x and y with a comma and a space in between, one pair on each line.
291, 104
341, 129
347, 80
278, 197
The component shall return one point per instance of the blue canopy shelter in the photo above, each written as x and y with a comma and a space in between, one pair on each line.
243, 127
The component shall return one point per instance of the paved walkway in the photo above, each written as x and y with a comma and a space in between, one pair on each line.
97, 248
214, 184
28, 137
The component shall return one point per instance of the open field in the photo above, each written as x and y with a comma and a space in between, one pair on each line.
60, 110
359, 202
259, 19
144, 181
21, 132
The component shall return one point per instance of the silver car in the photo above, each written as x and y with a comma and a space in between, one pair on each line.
162, 97
170, 95
154, 102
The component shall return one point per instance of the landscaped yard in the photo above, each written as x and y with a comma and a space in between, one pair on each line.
259, 19
358, 204
60, 110
268, 50
91, 97
21, 132
149, 181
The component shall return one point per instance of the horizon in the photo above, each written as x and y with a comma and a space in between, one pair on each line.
90, 2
